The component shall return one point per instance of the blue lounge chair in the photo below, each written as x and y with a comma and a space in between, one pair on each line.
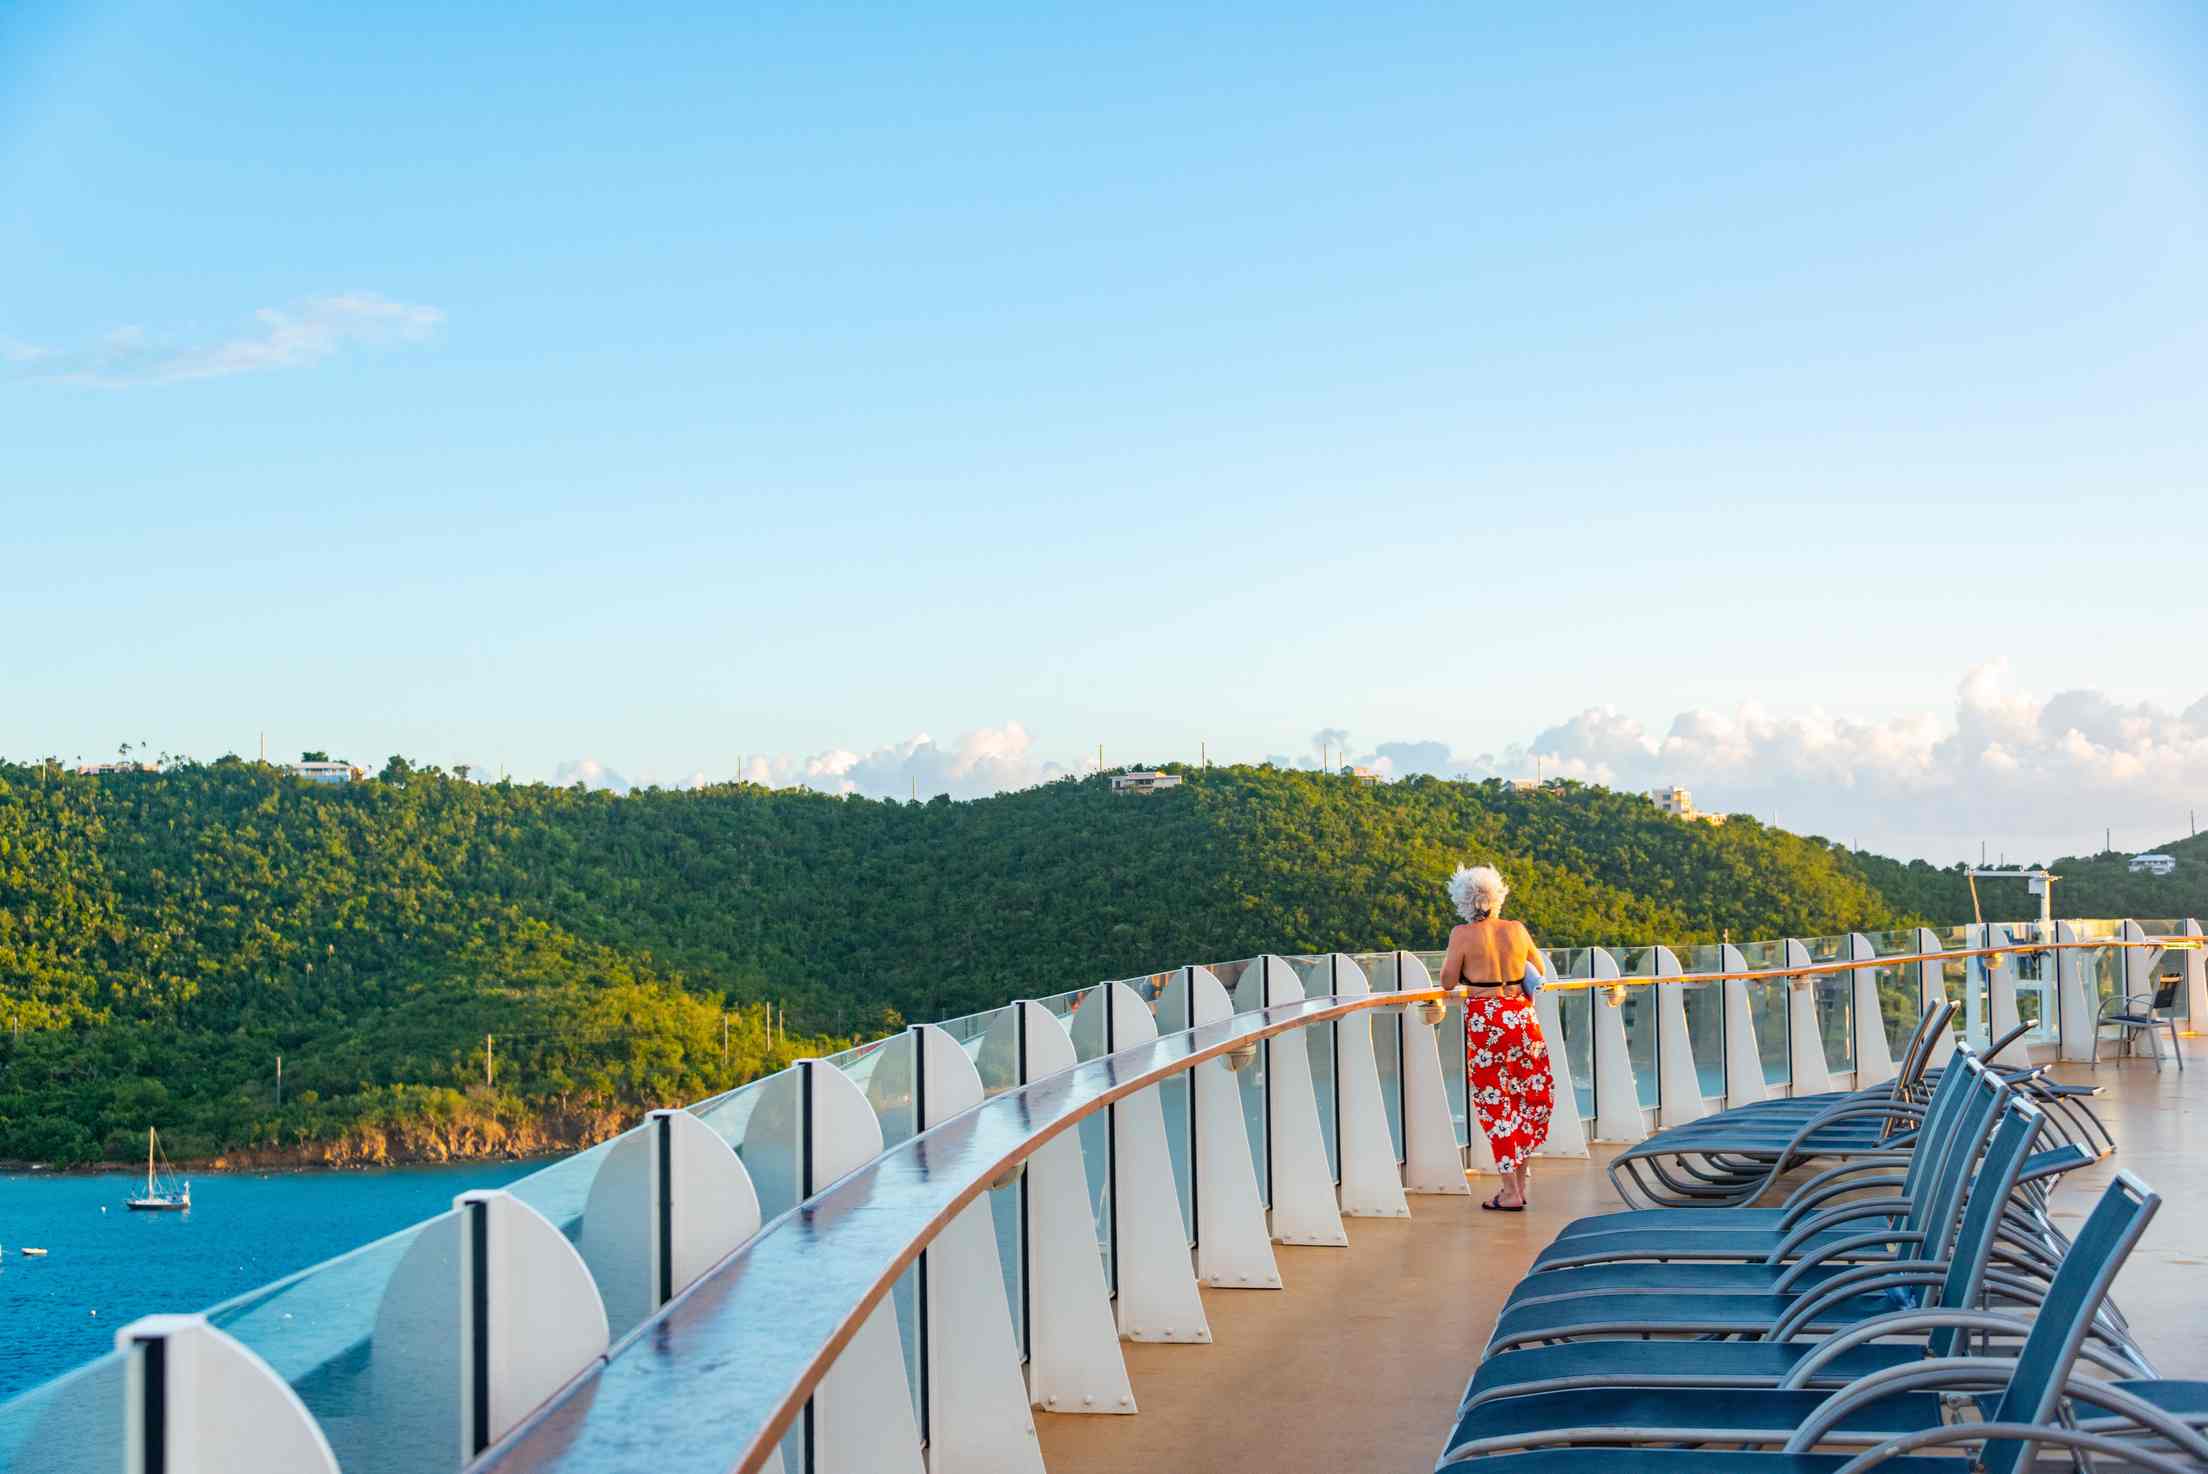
1917, 1225
1967, 1098
1768, 1362
1905, 1406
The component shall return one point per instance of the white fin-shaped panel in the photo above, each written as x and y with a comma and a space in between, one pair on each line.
1233, 1249
1874, 1058
1618, 1114
1158, 1300
1744, 1082
1809, 1072
1074, 1364
863, 1422
1372, 1181
220, 1408
978, 1416
1433, 1162
1678, 1078
1305, 1210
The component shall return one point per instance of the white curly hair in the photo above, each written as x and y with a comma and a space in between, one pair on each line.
1477, 892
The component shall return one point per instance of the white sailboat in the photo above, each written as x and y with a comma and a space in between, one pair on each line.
162, 1195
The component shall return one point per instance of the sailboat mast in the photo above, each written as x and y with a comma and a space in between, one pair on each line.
149, 1161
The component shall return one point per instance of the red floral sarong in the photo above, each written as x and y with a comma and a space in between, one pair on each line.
1507, 1068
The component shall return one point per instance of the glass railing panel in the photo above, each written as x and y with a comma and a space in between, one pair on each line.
970, 1028
1965, 981
1249, 1083
1315, 970
560, 1190
1576, 1016
1825, 949
760, 1123
1318, 1040
993, 1041
1387, 1042
1704, 1005
1640, 1018
1449, 1042
1090, 1041
1832, 997
619, 1264
71, 1425
2035, 974
1230, 974
2101, 969
887, 1073
1062, 1006
2171, 967
1900, 1004
1768, 1008
366, 1341
1176, 1103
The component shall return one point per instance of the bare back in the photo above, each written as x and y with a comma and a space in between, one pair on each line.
1484, 953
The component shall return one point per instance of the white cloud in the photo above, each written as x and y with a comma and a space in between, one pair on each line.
589, 772
283, 337
2034, 777
980, 762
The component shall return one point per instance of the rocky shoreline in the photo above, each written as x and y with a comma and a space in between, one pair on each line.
412, 1145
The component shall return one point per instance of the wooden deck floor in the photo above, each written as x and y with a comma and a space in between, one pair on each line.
1358, 1364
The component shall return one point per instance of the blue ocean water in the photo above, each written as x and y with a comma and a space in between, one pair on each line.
105, 1269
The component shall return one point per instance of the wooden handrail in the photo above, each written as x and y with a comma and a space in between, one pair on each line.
1819, 969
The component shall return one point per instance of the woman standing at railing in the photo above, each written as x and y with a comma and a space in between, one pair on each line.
1506, 1059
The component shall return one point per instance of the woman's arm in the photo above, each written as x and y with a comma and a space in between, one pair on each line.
1533, 953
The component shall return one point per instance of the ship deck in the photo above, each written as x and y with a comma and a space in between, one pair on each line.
1359, 1363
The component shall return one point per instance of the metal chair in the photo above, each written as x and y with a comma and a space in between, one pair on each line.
2125, 1014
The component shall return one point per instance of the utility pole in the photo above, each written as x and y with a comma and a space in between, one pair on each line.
2108, 841
1204, 750
486, 1059
1100, 759
724, 1038
279, 1082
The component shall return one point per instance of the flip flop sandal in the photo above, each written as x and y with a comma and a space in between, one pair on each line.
1497, 1205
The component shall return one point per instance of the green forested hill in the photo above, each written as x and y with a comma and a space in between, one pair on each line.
164, 936
2089, 885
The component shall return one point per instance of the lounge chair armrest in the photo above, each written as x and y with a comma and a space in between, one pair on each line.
1833, 1181
2127, 1450
1885, 1275
1901, 1238
2138, 1412
1950, 1373
1864, 1332
1832, 1218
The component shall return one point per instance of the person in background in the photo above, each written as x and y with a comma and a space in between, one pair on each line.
1506, 1059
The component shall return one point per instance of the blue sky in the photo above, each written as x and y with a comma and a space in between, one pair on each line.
667, 388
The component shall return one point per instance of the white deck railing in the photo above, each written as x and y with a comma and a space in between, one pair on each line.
884, 1260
